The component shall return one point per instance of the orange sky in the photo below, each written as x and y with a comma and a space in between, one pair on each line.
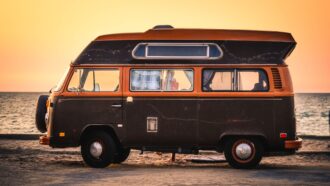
39, 39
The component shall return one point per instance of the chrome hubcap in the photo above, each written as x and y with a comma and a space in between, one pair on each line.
96, 149
243, 151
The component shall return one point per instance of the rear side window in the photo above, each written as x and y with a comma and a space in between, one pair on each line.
254, 80
161, 80
94, 80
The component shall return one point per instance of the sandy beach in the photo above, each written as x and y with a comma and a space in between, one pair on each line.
25, 162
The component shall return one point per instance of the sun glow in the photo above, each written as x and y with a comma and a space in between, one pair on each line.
39, 39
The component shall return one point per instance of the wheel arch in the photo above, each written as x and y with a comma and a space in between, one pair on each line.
96, 127
225, 137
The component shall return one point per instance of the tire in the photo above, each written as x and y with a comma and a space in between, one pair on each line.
40, 113
95, 140
121, 155
243, 160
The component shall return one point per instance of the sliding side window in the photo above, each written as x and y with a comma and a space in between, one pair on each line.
161, 80
251, 80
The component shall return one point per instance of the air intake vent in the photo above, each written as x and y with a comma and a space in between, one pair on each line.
159, 27
277, 78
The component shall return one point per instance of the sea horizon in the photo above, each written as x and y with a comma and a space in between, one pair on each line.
17, 110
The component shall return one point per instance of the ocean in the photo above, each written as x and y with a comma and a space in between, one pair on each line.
17, 111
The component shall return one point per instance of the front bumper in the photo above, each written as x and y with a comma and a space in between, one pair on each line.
293, 144
44, 140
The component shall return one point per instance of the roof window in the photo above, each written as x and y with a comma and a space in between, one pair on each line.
177, 51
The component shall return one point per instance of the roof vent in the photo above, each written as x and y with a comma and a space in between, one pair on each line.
160, 27
276, 78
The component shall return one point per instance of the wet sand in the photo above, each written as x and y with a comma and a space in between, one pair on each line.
25, 162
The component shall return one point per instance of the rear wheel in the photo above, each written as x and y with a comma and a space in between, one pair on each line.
98, 149
243, 153
121, 155
41, 113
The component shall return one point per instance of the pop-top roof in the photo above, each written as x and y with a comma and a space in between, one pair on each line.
167, 45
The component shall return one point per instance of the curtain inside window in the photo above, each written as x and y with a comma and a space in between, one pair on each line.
207, 77
145, 80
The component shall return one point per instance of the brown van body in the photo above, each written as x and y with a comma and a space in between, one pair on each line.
188, 121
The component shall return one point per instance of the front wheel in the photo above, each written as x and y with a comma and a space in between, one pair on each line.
243, 153
98, 149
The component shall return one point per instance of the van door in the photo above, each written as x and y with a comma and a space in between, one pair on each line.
159, 110
93, 97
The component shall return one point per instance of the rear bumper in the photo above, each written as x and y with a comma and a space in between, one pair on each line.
293, 144
44, 140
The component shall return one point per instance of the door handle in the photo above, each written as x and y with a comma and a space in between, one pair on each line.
116, 105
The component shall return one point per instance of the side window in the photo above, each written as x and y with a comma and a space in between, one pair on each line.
75, 81
145, 80
89, 82
107, 80
94, 80
161, 80
235, 80
218, 80
252, 80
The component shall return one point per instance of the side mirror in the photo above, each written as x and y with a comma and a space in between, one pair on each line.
51, 90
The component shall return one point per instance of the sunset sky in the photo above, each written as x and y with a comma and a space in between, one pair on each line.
39, 39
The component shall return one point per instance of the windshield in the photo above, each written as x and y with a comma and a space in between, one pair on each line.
60, 83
